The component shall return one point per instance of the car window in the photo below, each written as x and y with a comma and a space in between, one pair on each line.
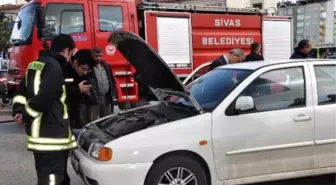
110, 18
278, 89
199, 71
210, 89
326, 84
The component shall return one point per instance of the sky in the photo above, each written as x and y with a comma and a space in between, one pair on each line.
295, 1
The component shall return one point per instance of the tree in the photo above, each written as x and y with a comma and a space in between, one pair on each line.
5, 31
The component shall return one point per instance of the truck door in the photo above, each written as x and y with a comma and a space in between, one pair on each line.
109, 16
69, 18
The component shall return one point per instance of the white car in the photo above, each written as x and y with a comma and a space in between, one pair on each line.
238, 124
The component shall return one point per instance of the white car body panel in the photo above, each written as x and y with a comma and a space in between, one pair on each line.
247, 148
325, 128
264, 142
117, 173
140, 147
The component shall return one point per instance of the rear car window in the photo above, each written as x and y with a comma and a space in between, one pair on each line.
326, 84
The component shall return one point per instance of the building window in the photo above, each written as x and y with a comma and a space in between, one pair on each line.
257, 5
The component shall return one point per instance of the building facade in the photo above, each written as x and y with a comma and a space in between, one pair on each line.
313, 21
13, 2
334, 26
10, 10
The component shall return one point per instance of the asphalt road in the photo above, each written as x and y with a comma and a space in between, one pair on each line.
17, 168
16, 163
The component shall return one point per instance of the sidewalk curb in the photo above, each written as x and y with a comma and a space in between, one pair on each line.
6, 121
5, 112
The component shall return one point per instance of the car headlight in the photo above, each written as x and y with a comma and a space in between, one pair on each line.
99, 152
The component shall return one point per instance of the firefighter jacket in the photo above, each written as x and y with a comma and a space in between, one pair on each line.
42, 102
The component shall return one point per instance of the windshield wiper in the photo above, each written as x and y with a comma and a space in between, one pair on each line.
16, 42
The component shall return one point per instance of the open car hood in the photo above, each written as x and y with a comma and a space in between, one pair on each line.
151, 68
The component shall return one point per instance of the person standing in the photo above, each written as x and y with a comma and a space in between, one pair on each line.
234, 56
303, 49
103, 82
41, 106
255, 54
78, 89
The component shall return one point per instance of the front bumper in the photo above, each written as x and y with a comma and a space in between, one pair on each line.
95, 173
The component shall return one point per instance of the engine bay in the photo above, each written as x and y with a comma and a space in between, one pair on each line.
131, 121
136, 120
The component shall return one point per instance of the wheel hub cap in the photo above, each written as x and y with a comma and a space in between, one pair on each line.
178, 176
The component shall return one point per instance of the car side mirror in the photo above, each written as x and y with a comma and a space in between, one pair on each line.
13, 71
40, 21
244, 103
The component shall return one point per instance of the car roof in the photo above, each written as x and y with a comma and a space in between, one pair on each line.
260, 64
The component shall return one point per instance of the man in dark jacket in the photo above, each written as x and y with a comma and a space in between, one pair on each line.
103, 83
255, 54
234, 56
77, 86
41, 105
303, 49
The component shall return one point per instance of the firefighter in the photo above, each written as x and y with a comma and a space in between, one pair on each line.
41, 106
78, 87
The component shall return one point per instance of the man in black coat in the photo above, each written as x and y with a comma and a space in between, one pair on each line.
77, 86
303, 49
234, 56
255, 54
103, 83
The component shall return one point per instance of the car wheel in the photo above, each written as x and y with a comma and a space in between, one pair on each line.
177, 170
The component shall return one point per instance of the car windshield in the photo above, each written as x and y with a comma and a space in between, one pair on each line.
24, 24
210, 89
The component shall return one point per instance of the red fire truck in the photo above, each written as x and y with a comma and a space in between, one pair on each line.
186, 36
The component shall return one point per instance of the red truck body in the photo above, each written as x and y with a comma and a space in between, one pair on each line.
208, 33
211, 35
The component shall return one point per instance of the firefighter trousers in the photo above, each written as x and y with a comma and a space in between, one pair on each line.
51, 168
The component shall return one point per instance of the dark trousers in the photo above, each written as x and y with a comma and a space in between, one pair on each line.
98, 111
51, 168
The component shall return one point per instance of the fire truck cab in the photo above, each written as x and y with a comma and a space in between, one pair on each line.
89, 23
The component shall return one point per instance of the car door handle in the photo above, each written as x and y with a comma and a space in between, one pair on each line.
301, 118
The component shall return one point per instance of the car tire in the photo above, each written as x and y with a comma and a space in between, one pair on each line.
173, 164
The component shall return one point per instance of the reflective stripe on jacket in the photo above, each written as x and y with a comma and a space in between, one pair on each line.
42, 102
